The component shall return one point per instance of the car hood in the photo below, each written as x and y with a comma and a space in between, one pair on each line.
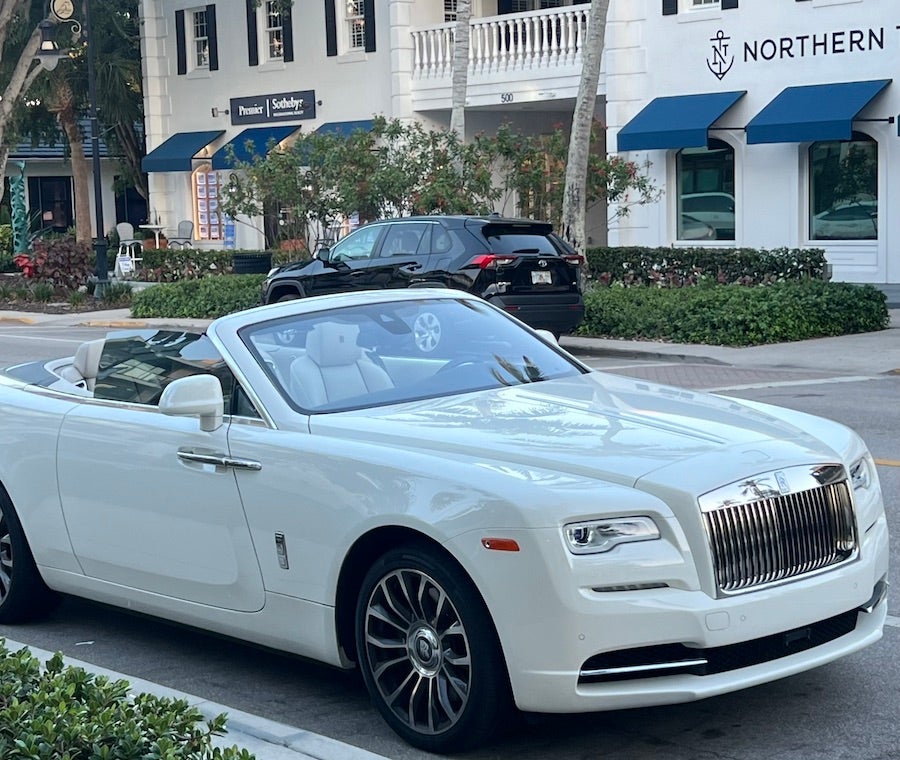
595, 425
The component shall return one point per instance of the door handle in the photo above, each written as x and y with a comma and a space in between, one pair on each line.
218, 460
411, 267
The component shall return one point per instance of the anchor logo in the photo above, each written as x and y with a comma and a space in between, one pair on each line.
720, 63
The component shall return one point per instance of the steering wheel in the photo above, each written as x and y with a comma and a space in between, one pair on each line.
460, 361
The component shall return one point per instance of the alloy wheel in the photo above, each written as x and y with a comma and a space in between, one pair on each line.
418, 651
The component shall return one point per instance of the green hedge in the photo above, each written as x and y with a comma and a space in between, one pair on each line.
735, 315
205, 298
678, 267
55, 712
732, 315
174, 264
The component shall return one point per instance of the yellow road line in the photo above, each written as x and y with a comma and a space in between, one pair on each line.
888, 462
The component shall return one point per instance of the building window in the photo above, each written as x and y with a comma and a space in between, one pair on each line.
274, 30
449, 10
704, 3
206, 187
706, 203
200, 27
356, 25
843, 189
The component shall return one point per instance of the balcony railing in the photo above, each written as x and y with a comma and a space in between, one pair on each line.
544, 39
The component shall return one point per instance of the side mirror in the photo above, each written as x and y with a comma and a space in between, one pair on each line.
548, 336
195, 396
322, 253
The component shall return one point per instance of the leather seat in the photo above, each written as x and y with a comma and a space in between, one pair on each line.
85, 364
334, 368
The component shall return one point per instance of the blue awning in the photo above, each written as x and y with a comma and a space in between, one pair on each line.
814, 112
176, 153
679, 121
345, 127
250, 143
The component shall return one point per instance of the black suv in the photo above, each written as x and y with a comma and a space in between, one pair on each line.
519, 265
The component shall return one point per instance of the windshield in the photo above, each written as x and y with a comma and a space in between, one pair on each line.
390, 353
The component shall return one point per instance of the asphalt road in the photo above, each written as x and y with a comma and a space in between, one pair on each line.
847, 709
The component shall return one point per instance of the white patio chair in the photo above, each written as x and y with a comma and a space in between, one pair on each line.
129, 248
184, 237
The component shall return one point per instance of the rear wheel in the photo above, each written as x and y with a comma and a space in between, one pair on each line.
429, 653
23, 594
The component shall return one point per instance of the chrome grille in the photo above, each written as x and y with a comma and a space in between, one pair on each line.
779, 525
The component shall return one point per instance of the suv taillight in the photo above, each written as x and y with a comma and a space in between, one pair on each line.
574, 258
490, 261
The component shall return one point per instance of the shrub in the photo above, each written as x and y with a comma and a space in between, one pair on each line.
735, 315
174, 264
60, 262
205, 298
65, 712
6, 252
679, 267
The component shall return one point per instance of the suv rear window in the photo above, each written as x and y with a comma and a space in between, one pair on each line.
524, 239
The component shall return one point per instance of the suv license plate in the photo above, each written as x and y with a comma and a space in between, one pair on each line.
541, 278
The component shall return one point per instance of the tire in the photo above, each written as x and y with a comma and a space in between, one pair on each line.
23, 594
288, 297
428, 652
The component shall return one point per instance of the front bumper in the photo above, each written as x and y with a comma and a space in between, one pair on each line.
553, 634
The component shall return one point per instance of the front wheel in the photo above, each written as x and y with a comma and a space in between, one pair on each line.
429, 652
23, 594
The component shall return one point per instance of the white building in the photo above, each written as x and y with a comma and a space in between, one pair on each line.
770, 121
231, 71
767, 123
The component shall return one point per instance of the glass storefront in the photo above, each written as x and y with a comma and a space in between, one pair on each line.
706, 202
843, 191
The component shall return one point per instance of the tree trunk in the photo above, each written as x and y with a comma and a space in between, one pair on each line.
573, 222
80, 173
460, 69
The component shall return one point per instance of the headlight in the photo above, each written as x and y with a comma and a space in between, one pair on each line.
602, 535
272, 271
861, 473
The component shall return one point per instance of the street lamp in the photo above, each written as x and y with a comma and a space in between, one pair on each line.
49, 53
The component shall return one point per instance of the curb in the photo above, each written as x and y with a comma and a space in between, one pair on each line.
267, 739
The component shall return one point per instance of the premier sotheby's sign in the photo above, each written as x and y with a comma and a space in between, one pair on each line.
268, 109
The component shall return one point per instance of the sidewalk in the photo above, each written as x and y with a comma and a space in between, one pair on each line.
863, 354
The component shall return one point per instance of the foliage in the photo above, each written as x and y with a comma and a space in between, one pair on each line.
534, 167
119, 82
60, 262
677, 267
401, 168
735, 315
117, 294
68, 713
6, 258
206, 298
174, 264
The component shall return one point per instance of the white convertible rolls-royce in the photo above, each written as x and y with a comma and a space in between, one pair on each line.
418, 485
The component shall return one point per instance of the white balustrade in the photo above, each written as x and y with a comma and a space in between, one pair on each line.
512, 42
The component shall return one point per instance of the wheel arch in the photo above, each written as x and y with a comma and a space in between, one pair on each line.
360, 558
287, 288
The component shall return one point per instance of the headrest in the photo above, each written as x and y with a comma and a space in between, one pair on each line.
87, 358
332, 344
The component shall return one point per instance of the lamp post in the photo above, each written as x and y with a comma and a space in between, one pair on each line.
49, 54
